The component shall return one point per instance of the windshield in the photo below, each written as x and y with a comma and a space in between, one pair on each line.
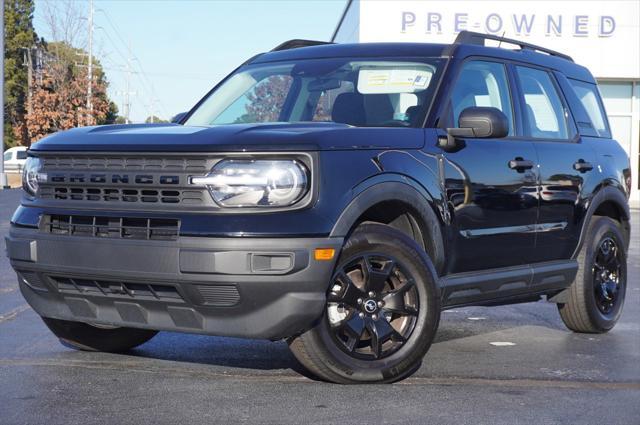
362, 93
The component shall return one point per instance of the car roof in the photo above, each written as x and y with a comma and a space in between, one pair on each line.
410, 50
16, 148
354, 50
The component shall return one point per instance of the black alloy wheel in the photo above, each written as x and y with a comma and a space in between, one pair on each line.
382, 311
372, 306
606, 275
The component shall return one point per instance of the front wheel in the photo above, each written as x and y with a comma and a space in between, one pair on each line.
382, 311
82, 336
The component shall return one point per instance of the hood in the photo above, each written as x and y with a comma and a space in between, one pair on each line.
226, 138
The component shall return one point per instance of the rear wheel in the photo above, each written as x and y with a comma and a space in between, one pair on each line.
382, 311
597, 295
82, 336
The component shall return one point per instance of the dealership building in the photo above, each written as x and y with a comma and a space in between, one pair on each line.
604, 36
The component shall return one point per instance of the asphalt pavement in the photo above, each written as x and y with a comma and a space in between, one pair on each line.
545, 375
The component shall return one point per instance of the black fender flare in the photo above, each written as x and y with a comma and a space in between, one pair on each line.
405, 190
606, 194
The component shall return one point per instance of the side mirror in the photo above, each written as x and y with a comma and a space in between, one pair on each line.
178, 117
476, 122
481, 122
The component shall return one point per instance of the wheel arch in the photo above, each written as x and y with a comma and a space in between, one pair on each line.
611, 202
402, 203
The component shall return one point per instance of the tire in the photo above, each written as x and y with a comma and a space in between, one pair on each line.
363, 344
588, 309
85, 337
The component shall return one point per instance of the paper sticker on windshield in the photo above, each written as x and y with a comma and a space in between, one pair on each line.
393, 80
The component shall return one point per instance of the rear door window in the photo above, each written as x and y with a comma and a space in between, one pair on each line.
545, 114
590, 99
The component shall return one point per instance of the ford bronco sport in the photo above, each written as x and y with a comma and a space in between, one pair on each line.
338, 197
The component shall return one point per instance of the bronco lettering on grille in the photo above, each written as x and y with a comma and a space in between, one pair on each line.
114, 179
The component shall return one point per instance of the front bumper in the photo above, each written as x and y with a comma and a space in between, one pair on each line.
245, 287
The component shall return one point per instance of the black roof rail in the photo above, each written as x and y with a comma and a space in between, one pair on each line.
294, 44
470, 37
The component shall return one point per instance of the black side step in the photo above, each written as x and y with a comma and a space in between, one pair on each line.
506, 284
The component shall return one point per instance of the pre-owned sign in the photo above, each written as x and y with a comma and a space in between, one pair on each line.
516, 23
602, 35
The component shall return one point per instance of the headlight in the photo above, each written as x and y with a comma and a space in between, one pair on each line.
256, 183
31, 175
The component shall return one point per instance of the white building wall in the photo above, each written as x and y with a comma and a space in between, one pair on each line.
622, 102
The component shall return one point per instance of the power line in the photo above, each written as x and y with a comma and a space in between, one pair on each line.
141, 74
121, 68
127, 93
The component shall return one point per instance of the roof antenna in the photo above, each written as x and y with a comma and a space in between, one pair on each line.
501, 37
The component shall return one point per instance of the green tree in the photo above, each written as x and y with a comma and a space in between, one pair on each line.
155, 119
18, 34
112, 114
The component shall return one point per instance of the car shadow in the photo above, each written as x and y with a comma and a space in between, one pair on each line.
271, 356
218, 351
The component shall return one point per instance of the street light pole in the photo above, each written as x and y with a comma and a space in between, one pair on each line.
3, 176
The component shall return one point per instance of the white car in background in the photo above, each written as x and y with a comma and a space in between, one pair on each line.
14, 159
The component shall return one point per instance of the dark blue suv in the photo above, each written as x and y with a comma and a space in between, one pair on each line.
338, 197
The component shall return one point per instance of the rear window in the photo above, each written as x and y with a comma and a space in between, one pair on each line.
21, 154
590, 99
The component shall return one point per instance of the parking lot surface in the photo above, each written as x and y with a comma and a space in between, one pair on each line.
545, 375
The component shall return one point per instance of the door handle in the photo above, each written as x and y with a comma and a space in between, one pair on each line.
582, 166
520, 164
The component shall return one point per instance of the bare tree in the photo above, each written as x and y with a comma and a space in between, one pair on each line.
65, 21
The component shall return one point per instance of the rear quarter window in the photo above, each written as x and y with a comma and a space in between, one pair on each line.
590, 98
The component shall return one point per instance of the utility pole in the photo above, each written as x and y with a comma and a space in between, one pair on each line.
153, 101
90, 68
127, 93
28, 62
29, 65
3, 176
127, 100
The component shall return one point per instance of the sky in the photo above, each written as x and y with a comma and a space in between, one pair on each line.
181, 49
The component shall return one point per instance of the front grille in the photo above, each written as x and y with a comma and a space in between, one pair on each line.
133, 181
111, 227
124, 163
187, 197
117, 289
